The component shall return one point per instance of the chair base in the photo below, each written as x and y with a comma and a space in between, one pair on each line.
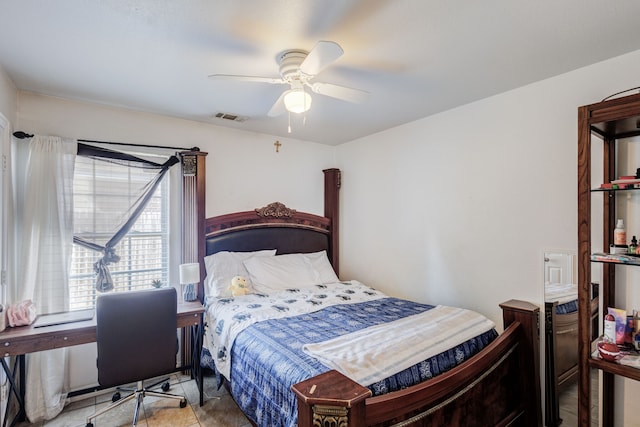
138, 394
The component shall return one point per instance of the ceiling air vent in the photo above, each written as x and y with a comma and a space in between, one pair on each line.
232, 117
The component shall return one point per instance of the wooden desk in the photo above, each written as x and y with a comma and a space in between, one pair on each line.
22, 340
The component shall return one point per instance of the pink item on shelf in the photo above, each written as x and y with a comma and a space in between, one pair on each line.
621, 322
21, 313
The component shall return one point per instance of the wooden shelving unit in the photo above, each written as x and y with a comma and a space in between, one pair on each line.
611, 121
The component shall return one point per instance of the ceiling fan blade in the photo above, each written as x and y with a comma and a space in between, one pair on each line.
322, 54
340, 92
278, 107
255, 79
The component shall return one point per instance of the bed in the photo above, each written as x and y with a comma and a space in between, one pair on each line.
500, 372
561, 342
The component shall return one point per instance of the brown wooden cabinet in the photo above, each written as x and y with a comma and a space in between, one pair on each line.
610, 122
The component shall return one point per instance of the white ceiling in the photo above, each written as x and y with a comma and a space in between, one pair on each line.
415, 57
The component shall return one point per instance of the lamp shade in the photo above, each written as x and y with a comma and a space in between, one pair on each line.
297, 101
189, 273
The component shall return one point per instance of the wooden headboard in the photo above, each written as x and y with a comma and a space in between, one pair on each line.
277, 226
274, 226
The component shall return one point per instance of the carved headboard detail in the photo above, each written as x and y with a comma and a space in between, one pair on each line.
276, 210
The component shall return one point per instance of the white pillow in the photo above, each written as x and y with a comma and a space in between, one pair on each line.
223, 266
281, 272
321, 263
290, 271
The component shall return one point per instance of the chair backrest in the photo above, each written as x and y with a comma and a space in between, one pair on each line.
136, 335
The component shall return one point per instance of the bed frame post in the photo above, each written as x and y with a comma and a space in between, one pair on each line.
332, 183
528, 315
551, 406
193, 219
330, 400
193, 211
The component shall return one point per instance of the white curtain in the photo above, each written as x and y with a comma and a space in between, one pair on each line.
43, 226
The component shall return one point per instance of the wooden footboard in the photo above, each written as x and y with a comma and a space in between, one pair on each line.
498, 387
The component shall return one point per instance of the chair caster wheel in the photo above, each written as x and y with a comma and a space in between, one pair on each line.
183, 404
166, 386
114, 398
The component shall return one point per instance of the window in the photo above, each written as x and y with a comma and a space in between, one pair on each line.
103, 195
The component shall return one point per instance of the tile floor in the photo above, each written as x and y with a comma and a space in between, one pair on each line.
568, 400
219, 410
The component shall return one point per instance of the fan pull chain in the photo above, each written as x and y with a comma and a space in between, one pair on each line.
306, 108
289, 128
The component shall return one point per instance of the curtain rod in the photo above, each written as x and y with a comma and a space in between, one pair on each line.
23, 135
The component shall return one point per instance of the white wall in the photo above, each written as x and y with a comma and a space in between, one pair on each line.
458, 208
8, 96
243, 169
8, 104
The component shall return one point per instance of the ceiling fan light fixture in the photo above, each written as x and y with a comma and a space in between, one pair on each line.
297, 101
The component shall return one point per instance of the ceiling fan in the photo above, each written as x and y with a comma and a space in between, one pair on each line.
298, 69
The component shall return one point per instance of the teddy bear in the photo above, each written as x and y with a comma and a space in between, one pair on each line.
239, 286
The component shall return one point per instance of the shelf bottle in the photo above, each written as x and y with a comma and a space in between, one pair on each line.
620, 234
610, 328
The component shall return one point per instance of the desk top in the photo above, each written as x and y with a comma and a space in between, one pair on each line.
27, 339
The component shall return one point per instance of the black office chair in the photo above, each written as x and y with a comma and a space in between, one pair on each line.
136, 337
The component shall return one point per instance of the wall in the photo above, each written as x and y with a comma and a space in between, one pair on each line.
8, 97
8, 106
243, 169
459, 207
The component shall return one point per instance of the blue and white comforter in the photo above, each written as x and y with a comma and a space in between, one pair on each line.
268, 357
566, 295
233, 315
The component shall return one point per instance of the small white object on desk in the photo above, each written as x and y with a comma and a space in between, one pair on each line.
189, 278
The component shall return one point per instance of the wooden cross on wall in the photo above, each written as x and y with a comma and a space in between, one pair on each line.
278, 145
